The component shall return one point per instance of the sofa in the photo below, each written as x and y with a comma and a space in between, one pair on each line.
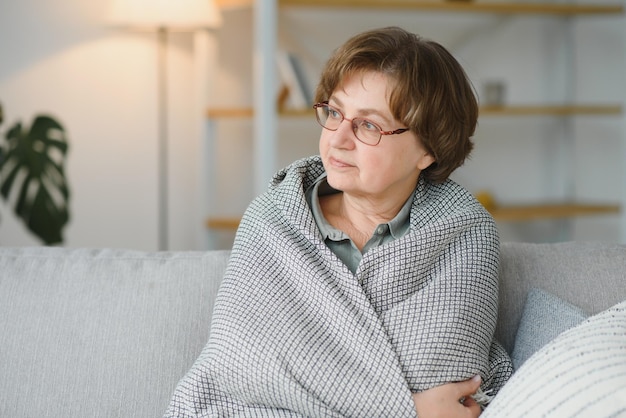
109, 332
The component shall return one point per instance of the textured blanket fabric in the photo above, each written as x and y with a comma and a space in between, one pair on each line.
295, 333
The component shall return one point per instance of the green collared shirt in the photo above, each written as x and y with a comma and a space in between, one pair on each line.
338, 241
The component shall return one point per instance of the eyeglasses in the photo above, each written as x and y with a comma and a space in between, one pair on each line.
365, 131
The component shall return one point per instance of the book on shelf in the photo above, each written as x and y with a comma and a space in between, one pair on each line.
295, 89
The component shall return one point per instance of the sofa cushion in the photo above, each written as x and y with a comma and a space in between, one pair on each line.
590, 275
100, 333
545, 316
581, 373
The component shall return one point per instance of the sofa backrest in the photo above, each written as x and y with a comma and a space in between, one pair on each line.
590, 275
100, 333
108, 333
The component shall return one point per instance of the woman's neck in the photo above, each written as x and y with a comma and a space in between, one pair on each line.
357, 218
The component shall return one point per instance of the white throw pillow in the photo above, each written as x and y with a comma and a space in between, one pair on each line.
582, 373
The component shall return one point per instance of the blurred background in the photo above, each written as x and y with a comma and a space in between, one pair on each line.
550, 151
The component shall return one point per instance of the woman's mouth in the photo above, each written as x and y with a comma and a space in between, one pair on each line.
338, 163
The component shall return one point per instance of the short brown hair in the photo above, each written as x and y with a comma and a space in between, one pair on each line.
432, 94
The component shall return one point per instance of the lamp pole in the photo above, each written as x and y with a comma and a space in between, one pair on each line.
163, 199
164, 16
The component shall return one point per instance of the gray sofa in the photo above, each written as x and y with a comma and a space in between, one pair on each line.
108, 333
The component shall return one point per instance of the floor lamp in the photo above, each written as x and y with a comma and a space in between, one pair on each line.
164, 16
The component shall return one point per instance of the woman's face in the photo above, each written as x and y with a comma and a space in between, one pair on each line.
388, 170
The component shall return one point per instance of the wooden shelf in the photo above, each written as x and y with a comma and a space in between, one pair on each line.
223, 223
461, 6
234, 4
550, 211
464, 6
500, 213
233, 112
523, 110
550, 110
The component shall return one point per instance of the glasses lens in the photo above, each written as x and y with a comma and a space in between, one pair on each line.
330, 118
321, 112
366, 131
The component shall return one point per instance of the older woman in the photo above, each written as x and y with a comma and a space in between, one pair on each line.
363, 283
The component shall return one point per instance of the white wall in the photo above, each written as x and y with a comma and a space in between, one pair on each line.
59, 57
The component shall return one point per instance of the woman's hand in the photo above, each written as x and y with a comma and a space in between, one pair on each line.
448, 401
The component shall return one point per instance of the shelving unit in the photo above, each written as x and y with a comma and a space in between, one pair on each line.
444, 6
515, 213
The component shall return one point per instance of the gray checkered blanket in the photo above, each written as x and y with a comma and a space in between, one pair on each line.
296, 334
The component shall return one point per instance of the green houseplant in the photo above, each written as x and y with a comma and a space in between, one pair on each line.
32, 176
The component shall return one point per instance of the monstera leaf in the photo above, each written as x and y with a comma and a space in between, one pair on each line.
32, 174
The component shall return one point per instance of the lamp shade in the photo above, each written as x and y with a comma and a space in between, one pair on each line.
171, 14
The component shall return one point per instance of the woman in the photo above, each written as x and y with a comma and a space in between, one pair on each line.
364, 281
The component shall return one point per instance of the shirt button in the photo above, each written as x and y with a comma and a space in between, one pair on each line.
380, 230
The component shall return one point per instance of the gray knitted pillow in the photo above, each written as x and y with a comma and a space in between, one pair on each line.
545, 316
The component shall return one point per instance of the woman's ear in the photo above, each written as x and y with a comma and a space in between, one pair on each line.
425, 161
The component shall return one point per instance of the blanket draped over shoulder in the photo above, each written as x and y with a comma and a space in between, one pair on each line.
295, 334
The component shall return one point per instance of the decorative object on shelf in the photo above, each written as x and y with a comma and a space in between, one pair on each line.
486, 199
494, 92
32, 174
295, 87
164, 15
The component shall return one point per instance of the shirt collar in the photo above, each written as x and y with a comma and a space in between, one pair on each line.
400, 224
321, 187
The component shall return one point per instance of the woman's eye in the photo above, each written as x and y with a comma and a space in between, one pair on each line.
367, 125
334, 114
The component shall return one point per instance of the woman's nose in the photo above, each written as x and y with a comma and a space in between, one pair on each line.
344, 136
